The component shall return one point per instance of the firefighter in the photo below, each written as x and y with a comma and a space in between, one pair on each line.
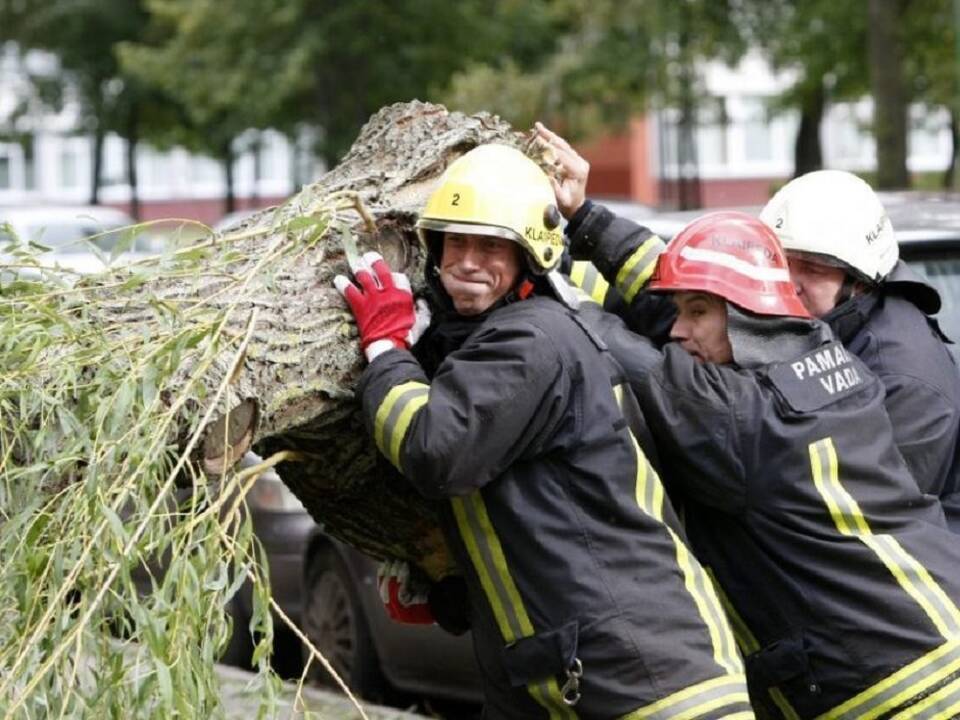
584, 600
838, 574
845, 263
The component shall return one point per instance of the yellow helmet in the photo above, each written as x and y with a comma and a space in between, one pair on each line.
497, 190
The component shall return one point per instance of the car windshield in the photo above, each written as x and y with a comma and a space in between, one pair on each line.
942, 270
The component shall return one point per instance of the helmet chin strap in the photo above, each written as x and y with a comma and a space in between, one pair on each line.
851, 286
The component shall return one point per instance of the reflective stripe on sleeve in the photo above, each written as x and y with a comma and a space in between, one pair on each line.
394, 416
944, 703
486, 555
649, 496
894, 690
586, 276
720, 697
849, 519
638, 268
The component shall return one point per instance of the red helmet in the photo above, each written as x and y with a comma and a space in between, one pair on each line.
735, 256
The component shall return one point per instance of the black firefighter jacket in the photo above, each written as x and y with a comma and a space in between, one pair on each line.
885, 328
903, 346
839, 576
573, 557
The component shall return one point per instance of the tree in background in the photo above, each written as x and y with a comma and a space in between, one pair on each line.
229, 66
82, 35
890, 98
933, 65
822, 42
607, 61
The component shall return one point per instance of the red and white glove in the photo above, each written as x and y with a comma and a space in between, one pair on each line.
404, 597
382, 305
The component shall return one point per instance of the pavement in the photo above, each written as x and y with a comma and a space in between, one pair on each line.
241, 693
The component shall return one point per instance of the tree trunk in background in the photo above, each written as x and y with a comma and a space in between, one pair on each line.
133, 137
226, 158
96, 164
807, 151
294, 388
889, 93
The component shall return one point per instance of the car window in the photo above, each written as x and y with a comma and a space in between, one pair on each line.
65, 237
942, 270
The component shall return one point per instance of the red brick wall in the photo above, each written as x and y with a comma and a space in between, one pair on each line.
745, 191
206, 211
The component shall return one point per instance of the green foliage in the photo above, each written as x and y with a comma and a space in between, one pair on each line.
823, 41
84, 35
97, 425
241, 64
597, 62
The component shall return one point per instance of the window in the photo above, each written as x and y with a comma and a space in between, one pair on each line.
69, 171
942, 270
712, 132
758, 145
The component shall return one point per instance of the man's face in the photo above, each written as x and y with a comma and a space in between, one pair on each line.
701, 326
818, 285
478, 270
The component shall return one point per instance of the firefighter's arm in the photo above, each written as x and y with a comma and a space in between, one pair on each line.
924, 430
491, 403
698, 415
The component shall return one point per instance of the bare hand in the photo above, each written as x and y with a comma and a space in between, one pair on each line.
570, 185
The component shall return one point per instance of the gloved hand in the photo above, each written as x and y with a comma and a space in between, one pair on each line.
382, 305
404, 597
421, 323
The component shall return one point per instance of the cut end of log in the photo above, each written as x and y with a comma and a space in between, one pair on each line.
229, 438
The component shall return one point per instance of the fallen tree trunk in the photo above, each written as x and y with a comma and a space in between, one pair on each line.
283, 356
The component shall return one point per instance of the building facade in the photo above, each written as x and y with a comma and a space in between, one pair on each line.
45, 158
741, 150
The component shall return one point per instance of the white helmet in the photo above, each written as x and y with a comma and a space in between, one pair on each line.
834, 215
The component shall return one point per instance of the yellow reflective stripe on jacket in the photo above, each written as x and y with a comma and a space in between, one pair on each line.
701, 700
486, 554
394, 415
944, 703
638, 268
585, 275
649, 495
704, 596
849, 519
908, 682
748, 645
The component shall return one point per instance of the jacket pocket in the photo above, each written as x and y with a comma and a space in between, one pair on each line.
546, 654
782, 662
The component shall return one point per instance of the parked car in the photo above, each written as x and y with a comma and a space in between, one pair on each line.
927, 226
72, 232
344, 616
635, 211
330, 591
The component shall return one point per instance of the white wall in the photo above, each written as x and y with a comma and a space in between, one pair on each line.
755, 142
62, 159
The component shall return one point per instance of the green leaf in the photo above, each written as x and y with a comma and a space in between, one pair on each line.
120, 409
164, 682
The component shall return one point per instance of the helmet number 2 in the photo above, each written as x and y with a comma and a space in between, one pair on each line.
456, 199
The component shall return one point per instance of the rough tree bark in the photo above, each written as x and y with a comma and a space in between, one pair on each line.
293, 389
